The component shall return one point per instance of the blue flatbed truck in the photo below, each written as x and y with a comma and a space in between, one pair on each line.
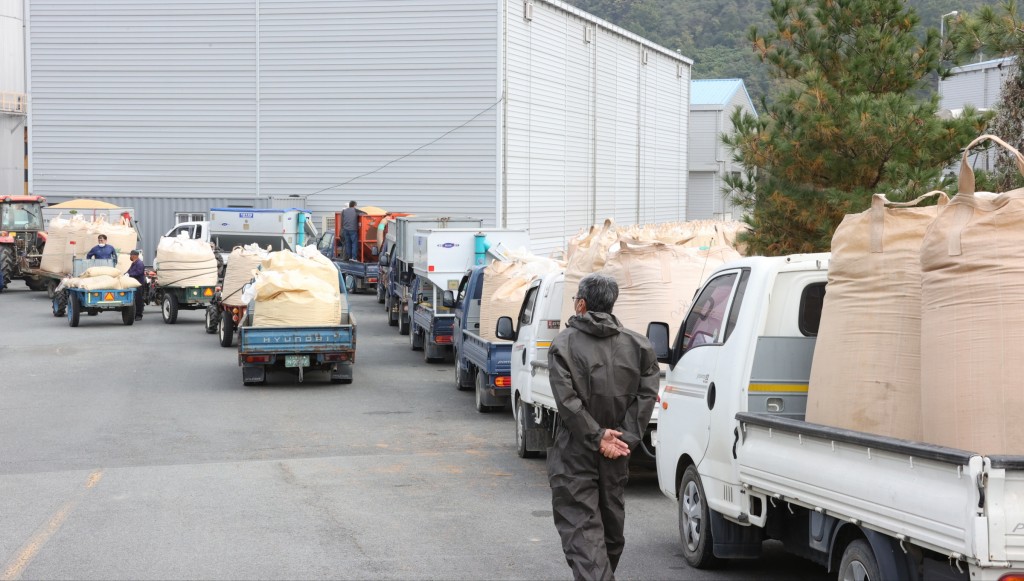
359, 276
330, 348
480, 364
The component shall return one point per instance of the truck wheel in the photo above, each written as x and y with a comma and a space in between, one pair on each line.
403, 322
524, 417
60, 304
36, 283
128, 315
463, 377
350, 283
695, 522
416, 339
227, 329
481, 385
212, 320
859, 563
380, 294
74, 309
169, 309
392, 319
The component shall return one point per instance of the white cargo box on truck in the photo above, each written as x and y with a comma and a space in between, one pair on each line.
405, 233
443, 255
279, 229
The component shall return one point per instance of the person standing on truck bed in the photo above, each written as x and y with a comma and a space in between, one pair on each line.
102, 250
604, 378
137, 270
350, 229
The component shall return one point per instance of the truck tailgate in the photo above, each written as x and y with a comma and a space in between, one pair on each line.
928, 494
255, 340
1006, 508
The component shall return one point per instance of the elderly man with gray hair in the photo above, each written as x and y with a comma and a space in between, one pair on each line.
604, 378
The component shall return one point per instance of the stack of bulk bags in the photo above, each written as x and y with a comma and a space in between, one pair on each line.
181, 261
242, 265
505, 286
972, 322
299, 289
866, 372
74, 237
587, 253
101, 278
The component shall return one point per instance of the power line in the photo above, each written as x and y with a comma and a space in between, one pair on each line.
424, 146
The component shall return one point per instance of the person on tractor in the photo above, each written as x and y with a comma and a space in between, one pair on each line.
102, 250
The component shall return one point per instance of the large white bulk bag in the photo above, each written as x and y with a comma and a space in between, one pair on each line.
183, 262
972, 320
586, 254
866, 374
505, 286
242, 265
299, 289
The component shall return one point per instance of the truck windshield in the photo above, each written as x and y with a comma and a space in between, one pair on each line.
20, 217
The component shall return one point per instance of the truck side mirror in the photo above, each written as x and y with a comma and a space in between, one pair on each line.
448, 299
657, 334
504, 329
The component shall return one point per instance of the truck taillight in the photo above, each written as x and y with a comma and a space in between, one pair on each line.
371, 280
336, 357
503, 381
443, 339
1012, 577
257, 358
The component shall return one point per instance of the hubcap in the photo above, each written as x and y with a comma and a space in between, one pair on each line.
856, 572
520, 420
691, 515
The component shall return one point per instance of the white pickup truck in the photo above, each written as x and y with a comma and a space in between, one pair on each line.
533, 405
734, 450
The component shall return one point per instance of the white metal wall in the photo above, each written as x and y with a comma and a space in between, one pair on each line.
143, 98
595, 125
12, 80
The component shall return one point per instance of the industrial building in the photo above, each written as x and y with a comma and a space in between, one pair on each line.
712, 103
529, 114
13, 100
977, 85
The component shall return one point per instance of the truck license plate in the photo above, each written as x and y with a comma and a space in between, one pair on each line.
296, 360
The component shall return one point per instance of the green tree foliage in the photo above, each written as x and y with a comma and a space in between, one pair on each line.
713, 32
998, 32
846, 122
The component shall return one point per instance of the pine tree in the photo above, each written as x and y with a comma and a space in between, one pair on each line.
848, 121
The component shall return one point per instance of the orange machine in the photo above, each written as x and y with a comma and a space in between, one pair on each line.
369, 232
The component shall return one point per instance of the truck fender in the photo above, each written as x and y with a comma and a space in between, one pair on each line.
893, 561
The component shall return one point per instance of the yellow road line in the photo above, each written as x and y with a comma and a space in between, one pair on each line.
16, 566
778, 387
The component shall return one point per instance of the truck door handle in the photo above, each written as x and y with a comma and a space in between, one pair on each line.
712, 394
524, 356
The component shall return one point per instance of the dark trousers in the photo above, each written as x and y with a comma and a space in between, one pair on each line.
351, 244
588, 502
140, 303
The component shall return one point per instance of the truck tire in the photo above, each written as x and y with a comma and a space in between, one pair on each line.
481, 385
212, 320
380, 294
7, 264
859, 563
36, 283
463, 376
403, 322
60, 304
226, 329
524, 417
74, 309
350, 283
128, 315
392, 319
695, 522
169, 308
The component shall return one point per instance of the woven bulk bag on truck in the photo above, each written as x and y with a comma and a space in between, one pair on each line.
866, 372
657, 281
299, 289
505, 286
181, 261
972, 319
586, 255
241, 265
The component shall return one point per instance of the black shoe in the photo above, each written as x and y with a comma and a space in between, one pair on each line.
139, 318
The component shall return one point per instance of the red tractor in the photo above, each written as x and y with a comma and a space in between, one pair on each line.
21, 238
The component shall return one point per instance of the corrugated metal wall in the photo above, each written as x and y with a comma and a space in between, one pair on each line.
12, 80
979, 85
701, 201
595, 125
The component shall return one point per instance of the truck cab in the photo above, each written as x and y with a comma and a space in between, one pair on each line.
533, 403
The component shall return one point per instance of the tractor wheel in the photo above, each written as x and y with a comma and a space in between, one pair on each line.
227, 329
7, 264
128, 315
212, 320
60, 304
74, 309
51, 288
169, 309
36, 283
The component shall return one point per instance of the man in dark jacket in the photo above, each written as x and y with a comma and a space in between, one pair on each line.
604, 378
350, 230
137, 270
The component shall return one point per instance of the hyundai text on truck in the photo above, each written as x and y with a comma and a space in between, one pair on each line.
736, 453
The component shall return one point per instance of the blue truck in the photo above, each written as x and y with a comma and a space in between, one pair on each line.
480, 364
330, 348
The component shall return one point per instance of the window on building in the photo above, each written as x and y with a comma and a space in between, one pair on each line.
180, 217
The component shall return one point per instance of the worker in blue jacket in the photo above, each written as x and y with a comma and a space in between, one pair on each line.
102, 250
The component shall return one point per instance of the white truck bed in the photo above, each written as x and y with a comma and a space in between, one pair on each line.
957, 503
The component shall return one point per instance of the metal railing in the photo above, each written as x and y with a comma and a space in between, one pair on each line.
14, 103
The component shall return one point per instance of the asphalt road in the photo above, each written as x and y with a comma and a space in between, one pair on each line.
137, 453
